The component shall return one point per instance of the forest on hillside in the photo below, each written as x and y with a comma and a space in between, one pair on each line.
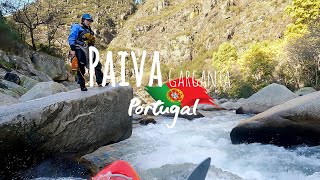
291, 57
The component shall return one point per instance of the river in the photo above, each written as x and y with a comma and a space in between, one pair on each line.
160, 153
153, 146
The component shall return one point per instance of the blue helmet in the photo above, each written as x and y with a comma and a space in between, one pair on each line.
87, 17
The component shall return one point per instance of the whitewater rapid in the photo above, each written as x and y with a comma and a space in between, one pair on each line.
154, 146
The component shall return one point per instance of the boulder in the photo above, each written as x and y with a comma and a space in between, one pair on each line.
239, 111
137, 117
19, 62
27, 82
24, 65
68, 122
241, 100
292, 123
200, 106
7, 100
54, 67
223, 100
12, 77
43, 89
208, 107
41, 76
305, 90
231, 105
13, 87
268, 97
147, 121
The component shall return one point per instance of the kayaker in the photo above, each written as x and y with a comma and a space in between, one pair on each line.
80, 38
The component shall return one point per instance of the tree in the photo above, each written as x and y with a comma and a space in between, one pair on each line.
304, 53
304, 13
31, 14
258, 64
225, 57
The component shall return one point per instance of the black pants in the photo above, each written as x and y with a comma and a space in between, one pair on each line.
82, 64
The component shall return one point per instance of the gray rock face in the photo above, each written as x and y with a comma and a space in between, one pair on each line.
43, 89
74, 121
294, 122
268, 97
305, 90
54, 67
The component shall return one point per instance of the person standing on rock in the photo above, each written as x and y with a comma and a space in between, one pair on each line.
80, 39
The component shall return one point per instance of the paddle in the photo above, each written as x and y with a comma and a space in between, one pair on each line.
200, 172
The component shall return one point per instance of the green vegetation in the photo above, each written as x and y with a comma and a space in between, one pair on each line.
293, 60
7, 35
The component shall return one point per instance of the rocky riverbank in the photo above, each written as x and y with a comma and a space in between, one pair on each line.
68, 122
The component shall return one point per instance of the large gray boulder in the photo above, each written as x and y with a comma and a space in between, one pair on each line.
294, 122
43, 89
305, 90
268, 97
53, 66
73, 121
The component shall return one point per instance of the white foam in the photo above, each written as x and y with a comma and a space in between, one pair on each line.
153, 146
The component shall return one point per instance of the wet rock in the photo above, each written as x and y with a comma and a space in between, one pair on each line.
293, 123
240, 111
137, 117
147, 121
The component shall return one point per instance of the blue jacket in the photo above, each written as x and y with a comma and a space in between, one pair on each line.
74, 33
